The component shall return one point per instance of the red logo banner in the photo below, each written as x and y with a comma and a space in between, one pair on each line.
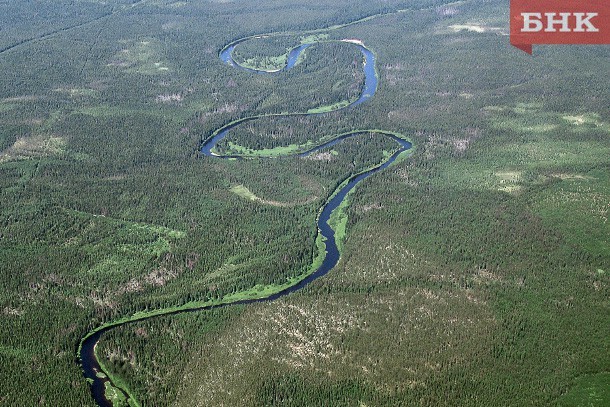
559, 22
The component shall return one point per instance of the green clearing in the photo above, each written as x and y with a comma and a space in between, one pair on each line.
338, 221
268, 64
142, 56
244, 192
329, 108
235, 149
116, 397
310, 39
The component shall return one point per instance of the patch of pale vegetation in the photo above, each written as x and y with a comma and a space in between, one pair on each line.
172, 98
387, 266
117, 263
140, 56
540, 128
118, 177
227, 108
577, 120
570, 177
531, 118
13, 312
525, 108
519, 108
473, 28
448, 10
370, 207
483, 275
547, 152
353, 41
24, 98
397, 66
322, 156
434, 142
102, 300
598, 283
172, 25
301, 334
119, 355
244, 192
132, 286
598, 203
468, 27
509, 176
158, 277
587, 120
76, 92
460, 145
267, 64
308, 39
178, 4
308, 334
508, 181
511, 189
34, 147
495, 108
166, 3
405, 173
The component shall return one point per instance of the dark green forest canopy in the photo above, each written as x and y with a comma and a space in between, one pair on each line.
474, 273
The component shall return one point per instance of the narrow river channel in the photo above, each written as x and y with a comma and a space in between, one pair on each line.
89, 362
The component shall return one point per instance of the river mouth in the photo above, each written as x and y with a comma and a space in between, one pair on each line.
92, 368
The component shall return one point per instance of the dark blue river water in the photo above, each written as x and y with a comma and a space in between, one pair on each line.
88, 360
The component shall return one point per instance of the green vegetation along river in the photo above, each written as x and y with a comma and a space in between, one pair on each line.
106, 388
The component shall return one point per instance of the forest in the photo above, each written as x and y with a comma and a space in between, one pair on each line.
473, 272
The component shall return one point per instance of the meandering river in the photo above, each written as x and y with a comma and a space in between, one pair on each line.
92, 369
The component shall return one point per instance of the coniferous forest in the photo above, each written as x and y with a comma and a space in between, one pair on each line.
474, 271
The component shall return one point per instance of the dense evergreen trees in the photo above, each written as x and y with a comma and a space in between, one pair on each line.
474, 273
